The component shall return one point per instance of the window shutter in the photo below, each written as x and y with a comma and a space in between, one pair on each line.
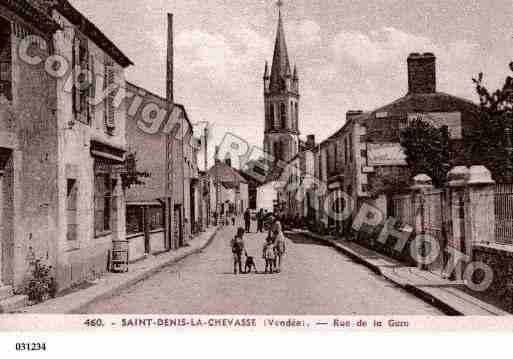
92, 89
76, 64
109, 101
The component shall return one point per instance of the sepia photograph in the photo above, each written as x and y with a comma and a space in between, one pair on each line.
290, 164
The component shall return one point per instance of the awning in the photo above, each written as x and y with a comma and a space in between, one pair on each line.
103, 150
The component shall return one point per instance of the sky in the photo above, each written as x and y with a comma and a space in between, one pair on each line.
351, 55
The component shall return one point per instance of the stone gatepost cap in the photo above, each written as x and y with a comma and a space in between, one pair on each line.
422, 181
480, 175
458, 176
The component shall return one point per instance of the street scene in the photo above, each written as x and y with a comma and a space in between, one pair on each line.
270, 157
315, 280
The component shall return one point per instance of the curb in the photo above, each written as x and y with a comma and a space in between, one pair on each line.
346, 251
87, 299
418, 292
144, 275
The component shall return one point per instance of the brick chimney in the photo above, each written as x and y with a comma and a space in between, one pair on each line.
310, 141
421, 73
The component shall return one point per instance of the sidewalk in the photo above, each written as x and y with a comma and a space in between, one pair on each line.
426, 285
112, 283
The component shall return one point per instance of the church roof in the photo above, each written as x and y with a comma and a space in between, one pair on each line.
281, 64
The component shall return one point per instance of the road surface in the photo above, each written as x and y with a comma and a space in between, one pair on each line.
315, 280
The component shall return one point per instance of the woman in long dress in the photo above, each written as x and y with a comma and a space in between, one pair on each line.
279, 244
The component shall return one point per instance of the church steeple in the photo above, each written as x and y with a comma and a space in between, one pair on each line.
281, 95
281, 64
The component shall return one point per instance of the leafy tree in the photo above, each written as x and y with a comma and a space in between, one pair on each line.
488, 142
427, 150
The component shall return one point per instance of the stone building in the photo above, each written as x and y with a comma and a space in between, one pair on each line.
91, 143
162, 213
29, 204
63, 203
384, 160
364, 160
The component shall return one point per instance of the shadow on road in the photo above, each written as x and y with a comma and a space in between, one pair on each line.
300, 239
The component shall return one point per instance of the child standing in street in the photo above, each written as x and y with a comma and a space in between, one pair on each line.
269, 255
237, 249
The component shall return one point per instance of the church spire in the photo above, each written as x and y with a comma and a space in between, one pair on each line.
281, 64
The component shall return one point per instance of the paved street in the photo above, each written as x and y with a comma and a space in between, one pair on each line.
315, 280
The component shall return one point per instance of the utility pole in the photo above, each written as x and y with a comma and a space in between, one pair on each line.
169, 138
205, 140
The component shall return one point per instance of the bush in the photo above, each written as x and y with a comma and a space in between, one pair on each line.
41, 286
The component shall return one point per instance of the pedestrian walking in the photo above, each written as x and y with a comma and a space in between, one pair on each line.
279, 244
260, 221
247, 220
238, 248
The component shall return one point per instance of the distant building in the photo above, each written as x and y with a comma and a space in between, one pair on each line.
365, 160
229, 189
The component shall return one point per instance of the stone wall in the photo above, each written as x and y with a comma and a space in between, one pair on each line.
500, 260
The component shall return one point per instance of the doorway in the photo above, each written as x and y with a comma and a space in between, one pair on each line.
177, 228
6, 217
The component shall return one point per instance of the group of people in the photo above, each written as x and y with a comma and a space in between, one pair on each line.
260, 217
273, 251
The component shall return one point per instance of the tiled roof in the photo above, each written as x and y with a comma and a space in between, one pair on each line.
428, 102
226, 173
32, 11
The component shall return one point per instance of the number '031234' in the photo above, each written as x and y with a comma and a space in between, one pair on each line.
30, 347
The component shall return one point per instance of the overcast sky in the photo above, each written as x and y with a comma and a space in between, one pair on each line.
350, 54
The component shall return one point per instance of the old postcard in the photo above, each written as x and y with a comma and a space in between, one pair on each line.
274, 165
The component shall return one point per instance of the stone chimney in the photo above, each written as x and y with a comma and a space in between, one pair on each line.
352, 113
421, 73
310, 141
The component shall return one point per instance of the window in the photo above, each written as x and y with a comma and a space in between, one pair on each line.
5, 60
296, 118
82, 87
71, 209
345, 151
134, 219
102, 204
350, 149
271, 116
283, 117
336, 155
277, 151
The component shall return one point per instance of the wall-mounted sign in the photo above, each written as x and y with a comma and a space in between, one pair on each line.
385, 154
438, 119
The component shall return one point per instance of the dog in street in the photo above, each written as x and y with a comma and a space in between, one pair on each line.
250, 264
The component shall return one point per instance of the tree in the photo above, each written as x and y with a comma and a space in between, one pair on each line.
427, 150
489, 143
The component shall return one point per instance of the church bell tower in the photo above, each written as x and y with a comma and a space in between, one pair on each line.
281, 95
